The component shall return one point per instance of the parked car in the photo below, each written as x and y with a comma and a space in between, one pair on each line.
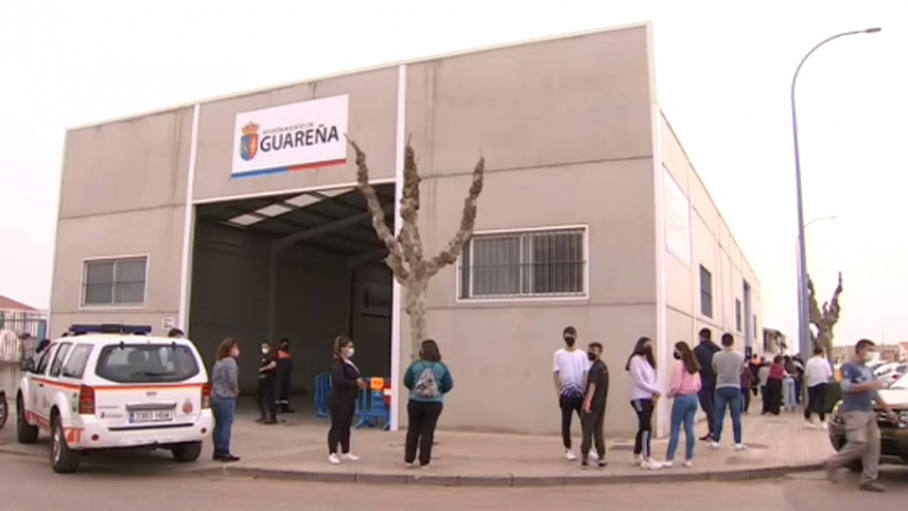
892, 374
893, 436
112, 387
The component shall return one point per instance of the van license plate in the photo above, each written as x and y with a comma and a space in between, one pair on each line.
151, 416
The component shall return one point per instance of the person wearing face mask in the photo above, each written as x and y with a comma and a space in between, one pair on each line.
593, 415
225, 388
284, 376
346, 383
862, 434
570, 371
428, 380
265, 397
641, 366
685, 385
707, 396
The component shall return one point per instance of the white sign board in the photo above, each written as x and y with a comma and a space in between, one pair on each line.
285, 138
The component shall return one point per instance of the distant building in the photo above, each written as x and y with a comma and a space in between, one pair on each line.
888, 352
774, 342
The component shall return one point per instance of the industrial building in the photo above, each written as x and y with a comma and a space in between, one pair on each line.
238, 216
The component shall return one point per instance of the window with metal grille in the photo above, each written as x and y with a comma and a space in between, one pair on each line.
706, 292
528, 264
114, 281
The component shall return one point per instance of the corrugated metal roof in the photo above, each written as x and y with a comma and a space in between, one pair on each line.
13, 305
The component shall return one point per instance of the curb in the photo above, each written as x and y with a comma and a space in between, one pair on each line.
509, 480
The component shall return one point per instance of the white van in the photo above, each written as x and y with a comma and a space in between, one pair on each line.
113, 386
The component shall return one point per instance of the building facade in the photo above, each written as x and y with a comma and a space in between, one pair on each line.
592, 215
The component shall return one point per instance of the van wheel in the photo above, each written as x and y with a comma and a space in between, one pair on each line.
25, 432
62, 458
855, 466
187, 452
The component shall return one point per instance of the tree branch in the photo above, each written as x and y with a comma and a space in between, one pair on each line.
409, 237
467, 222
395, 259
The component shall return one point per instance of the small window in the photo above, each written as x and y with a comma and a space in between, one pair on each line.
59, 358
737, 315
75, 366
146, 363
706, 292
44, 360
114, 281
525, 264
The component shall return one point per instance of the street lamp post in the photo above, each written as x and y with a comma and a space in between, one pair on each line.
803, 316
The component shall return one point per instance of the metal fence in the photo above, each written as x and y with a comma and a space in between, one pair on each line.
19, 335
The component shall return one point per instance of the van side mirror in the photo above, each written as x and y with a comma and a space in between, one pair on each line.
28, 365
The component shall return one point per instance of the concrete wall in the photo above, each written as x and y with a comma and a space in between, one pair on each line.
713, 247
565, 129
122, 193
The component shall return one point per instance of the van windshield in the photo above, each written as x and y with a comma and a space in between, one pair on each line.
146, 363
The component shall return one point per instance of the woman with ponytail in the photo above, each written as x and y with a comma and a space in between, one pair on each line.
644, 393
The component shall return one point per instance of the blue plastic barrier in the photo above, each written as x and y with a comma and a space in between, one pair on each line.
322, 391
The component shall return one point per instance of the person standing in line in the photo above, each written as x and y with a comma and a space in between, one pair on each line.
570, 372
225, 388
684, 387
267, 383
754, 366
707, 395
284, 375
799, 369
346, 383
428, 380
593, 415
859, 392
817, 376
728, 365
644, 394
789, 399
747, 382
763, 376
776, 376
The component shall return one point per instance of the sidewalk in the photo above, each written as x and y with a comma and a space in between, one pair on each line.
297, 450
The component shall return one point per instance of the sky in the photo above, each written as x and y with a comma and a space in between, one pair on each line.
723, 72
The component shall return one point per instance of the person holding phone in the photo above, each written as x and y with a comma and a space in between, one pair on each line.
346, 383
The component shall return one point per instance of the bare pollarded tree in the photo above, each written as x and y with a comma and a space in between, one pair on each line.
405, 251
825, 318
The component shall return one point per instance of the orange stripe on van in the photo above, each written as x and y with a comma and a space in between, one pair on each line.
149, 387
67, 386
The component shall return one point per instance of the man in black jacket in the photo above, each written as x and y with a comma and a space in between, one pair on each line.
707, 395
593, 414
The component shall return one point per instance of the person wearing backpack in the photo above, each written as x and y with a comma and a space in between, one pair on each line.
428, 380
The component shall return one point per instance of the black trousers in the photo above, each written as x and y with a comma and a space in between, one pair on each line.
422, 419
265, 397
592, 424
816, 401
745, 395
772, 402
569, 406
644, 410
707, 397
342, 408
285, 385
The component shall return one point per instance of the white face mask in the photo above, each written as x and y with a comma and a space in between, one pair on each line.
350, 352
265, 351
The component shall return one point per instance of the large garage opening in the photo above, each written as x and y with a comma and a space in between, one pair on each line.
305, 266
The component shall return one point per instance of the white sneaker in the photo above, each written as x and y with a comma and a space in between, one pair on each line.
638, 460
824, 426
714, 445
667, 464
351, 457
740, 447
569, 455
333, 459
809, 425
650, 464
689, 464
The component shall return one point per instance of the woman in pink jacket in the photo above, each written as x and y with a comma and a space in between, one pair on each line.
684, 387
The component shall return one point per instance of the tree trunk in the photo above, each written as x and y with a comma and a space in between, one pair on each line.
416, 310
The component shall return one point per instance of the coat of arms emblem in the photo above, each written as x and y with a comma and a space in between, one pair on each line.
249, 142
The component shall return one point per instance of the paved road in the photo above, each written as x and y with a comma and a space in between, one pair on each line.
117, 484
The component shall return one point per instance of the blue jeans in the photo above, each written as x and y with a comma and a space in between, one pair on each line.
684, 411
728, 397
224, 410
